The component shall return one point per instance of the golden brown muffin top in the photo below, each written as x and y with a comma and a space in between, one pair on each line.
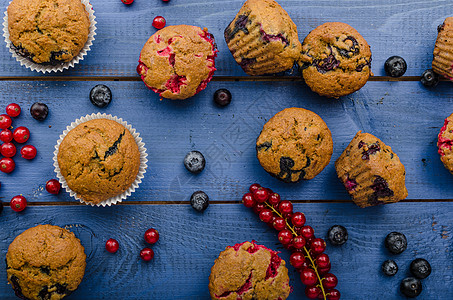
443, 50
445, 143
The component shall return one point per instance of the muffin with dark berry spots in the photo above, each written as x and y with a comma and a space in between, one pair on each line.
443, 50
177, 62
371, 172
249, 271
445, 143
335, 60
262, 38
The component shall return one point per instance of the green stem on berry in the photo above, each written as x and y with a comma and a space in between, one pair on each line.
305, 248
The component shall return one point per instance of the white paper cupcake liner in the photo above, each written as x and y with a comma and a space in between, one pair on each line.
141, 148
49, 68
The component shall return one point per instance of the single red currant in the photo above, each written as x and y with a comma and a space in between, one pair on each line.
260, 195
6, 135
166, 0
285, 236
28, 152
285, 207
8, 149
5, 121
279, 223
159, 22
325, 270
333, 295
297, 260
253, 187
312, 292
308, 277
318, 246
127, 1
298, 219
112, 245
330, 281
53, 186
266, 215
307, 232
21, 134
18, 203
274, 199
258, 207
13, 109
7, 165
322, 261
151, 236
147, 254
248, 200
298, 242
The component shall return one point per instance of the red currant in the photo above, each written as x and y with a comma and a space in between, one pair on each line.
298, 242
5, 121
53, 186
112, 245
298, 219
258, 207
285, 236
330, 281
285, 207
13, 109
151, 236
28, 152
159, 22
274, 199
260, 195
253, 187
266, 215
297, 260
7, 165
6, 135
18, 203
21, 134
333, 295
322, 261
147, 254
279, 223
307, 232
127, 1
165, 0
248, 200
312, 292
325, 270
318, 246
8, 149
308, 277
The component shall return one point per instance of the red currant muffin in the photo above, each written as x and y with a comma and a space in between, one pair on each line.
262, 38
445, 143
335, 60
371, 172
443, 50
177, 62
249, 271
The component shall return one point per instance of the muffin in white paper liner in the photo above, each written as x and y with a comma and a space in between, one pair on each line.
24, 61
141, 149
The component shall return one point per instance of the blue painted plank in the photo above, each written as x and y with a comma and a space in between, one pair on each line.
189, 243
391, 27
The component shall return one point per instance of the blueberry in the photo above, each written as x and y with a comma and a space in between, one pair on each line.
395, 242
199, 201
100, 95
338, 235
420, 268
194, 161
389, 267
411, 287
39, 111
222, 97
429, 78
395, 66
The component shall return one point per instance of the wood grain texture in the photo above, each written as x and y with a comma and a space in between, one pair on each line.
392, 27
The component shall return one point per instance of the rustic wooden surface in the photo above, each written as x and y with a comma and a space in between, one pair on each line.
401, 112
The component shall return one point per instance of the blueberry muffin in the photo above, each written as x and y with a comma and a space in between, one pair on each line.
294, 144
335, 60
48, 31
262, 38
45, 262
445, 142
443, 50
99, 159
177, 62
371, 172
249, 271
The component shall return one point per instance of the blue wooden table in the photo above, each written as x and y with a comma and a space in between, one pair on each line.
401, 112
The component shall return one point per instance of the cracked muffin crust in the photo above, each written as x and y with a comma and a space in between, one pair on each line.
445, 142
371, 172
335, 60
249, 271
262, 38
45, 262
294, 144
99, 159
48, 31
178, 62
443, 50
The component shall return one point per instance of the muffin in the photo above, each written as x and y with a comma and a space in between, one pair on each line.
443, 50
249, 271
445, 142
335, 60
262, 38
177, 62
99, 159
45, 262
48, 32
294, 144
371, 172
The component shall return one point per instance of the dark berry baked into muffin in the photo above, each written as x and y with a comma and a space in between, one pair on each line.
45, 262
445, 142
335, 60
294, 144
371, 172
177, 62
48, 31
249, 271
443, 50
263, 38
